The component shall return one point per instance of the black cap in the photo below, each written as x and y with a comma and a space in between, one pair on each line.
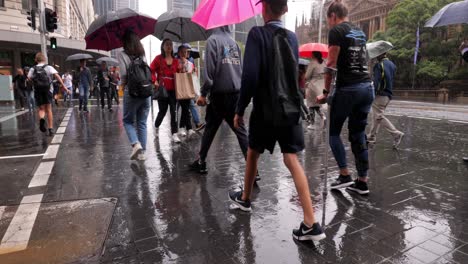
284, 2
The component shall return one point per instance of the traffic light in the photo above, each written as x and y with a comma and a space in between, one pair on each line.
32, 19
53, 43
50, 20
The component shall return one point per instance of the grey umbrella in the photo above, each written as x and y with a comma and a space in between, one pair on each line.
108, 60
378, 48
451, 14
79, 56
177, 25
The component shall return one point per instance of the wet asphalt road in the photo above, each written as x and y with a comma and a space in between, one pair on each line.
99, 207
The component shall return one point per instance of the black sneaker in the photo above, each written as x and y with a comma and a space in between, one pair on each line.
200, 127
236, 198
359, 187
465, 159
51, 132
304, 233
342, 182
42, 125
199, 166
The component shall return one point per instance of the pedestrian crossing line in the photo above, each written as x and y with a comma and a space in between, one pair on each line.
57, 139
426, 118
458, 122
2, 209
19, 231
64, 124
22, 156
51, 152
8, 117
41, 176
61, 130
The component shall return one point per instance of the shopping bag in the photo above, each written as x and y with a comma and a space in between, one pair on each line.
196, 84
184, 86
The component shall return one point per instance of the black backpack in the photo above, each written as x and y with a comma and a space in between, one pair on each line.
40, 79
285, 96
139, 81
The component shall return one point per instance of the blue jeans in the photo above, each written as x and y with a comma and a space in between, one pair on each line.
135, 112
354, 103
84, 93
194, 111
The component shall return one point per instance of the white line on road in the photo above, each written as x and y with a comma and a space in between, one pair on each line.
394, 115
64, 124
22, 156
57, 139
51, 152
42, 174
19, 231
458, 122
61, 130
425, 118
66, 118
2, 209
8, 117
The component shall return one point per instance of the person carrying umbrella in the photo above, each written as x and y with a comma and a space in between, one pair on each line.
352, 98
86, 80
315, 85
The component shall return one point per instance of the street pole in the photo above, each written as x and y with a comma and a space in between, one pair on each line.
320, 22
42, 28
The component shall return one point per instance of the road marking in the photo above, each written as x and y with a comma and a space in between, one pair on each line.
64, 124
57, 139
22, 156
2, 209
8, 117
42, 174
37, 198
400, 175
61, 130
425, 118
394, 115
405, 200
19, 231
51, 152
66, 118
458, 122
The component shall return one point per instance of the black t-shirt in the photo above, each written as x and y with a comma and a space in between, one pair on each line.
20, 81
103, 77
352, 60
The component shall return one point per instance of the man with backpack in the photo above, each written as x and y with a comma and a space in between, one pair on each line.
103, 76
270, 77
41, 76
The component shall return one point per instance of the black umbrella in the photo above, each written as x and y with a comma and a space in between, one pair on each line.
177, 26
108, 60
451, 14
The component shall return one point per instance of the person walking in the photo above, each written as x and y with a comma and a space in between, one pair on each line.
103, 76
114, 82
41, 75
185, 66
68, 81
19, 82
163, 69
264, 132
315, 86
384, 74
351, 99
85, 83
29, 92
135, 109
222, 74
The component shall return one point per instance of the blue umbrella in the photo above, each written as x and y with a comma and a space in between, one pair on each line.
451, 14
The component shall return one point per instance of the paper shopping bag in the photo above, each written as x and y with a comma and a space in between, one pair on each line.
184, 86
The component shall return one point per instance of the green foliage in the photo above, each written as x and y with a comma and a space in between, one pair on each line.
437, 54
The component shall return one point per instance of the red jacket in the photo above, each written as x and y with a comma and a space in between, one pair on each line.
165, 74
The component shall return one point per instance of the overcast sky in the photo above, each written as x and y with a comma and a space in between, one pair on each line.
154, 8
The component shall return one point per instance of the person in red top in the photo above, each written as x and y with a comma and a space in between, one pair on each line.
163, 69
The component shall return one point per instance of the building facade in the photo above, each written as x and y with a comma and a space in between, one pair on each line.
132, 4
103, 6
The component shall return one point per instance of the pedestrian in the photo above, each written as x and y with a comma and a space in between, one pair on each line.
41, 75
351, 99
464, 49
56, 85
114, 82
29, 92
315, 86
19, 82
222, 74
135, 109
104, 77
259, 83
163, 68
85, 83
384, 74
68, 81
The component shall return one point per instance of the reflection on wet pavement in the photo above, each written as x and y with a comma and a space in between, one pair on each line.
416, 212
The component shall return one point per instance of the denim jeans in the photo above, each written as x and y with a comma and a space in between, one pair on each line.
194, 111
84, 93
135, 115
353, 103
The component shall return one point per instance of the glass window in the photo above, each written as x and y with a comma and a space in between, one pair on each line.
6, 62
25, 4
2, 3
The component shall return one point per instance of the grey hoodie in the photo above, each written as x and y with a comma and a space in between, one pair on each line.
223, 65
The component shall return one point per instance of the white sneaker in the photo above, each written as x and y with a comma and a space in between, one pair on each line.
310, 127
175, 138
141, 157
182, 132
137, 150
191, 133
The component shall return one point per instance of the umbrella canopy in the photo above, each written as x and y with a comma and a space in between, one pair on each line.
215, 13
177, 25
304, 62
108, 60
79, 56
451, 14
195, 53
106, 32
378, 48
306, 50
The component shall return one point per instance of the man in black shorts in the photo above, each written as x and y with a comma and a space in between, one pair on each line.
264, 134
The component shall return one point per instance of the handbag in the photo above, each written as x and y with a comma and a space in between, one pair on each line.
184, 86
161, 93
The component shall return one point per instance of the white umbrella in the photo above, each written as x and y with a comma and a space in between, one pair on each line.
108, 60
378, 48
79, 56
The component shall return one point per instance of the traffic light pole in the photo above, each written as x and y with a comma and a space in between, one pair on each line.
42, 28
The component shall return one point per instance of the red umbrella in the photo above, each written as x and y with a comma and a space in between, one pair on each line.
306, 50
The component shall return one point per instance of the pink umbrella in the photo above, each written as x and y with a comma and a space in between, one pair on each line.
306, 50
216, 13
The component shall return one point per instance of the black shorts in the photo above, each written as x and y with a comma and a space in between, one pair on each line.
465, 56
261, 137
43, 97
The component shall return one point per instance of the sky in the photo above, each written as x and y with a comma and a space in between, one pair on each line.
154, 8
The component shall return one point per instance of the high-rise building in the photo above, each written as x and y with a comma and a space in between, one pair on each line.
132, 4
103, 6
182, 4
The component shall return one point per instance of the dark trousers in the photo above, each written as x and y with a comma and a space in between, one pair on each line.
171, 103
105, 91
222, 107
21, 96
114, 93
185, 118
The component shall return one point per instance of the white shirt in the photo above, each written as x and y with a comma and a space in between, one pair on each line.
67, 80
48, 69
